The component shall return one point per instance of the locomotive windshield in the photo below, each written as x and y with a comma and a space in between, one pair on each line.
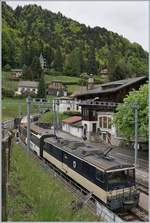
121, 179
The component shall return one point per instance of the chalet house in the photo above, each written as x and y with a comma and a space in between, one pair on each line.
73, 125
98, 106
68, 104
25, 87
56, 88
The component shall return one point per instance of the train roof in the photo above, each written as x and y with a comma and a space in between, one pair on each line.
37, 130
89, 153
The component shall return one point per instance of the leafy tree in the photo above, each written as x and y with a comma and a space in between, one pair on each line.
91, 62
72, 63
41, 89
120, 71
58, 60
124, 117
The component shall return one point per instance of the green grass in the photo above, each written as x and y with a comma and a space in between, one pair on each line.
8, 84
73, 88
49, 117
36, 195
10, 108
49, 78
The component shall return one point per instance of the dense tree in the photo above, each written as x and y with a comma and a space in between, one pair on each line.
58, 60
28, 73
30, 30
124, 117
72, 63
36, 68
41, 89
120, 71
92, 65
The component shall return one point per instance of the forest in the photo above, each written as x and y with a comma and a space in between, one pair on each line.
70, 48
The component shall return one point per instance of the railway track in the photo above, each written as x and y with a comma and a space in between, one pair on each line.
143, 188
78, 192
135, 214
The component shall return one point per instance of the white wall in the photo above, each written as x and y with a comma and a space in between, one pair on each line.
71, 104
75, 131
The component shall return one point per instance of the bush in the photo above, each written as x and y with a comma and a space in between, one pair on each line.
7, 93
7, 67
72, 113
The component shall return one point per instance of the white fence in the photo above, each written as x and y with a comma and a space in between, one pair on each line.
106, 214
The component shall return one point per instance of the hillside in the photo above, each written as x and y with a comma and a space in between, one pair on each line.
69, 47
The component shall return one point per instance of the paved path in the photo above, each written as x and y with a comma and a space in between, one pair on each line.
144, 201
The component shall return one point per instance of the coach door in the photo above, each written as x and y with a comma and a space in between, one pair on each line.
64, 162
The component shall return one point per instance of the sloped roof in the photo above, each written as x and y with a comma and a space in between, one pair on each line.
28, 84
113, 86
72, 119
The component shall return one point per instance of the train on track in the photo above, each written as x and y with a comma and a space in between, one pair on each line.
110, 181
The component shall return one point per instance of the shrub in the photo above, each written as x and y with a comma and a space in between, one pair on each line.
7, 67
72, 113
7, 93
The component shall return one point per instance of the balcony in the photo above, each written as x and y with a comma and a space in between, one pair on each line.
99, 103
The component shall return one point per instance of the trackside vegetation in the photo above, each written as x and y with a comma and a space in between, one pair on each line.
36, 195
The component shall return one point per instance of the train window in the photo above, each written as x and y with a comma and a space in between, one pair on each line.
99, 175
74, 164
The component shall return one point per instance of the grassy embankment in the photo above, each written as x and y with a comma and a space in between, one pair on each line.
36, 195
10, 107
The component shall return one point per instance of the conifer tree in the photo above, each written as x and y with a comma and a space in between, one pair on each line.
41, 89
36, 68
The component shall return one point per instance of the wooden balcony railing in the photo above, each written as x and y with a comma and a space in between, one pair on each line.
99, 103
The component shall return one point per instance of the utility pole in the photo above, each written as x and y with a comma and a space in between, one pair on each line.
54, 119
19, 107
28, 122
57, 115
136, 107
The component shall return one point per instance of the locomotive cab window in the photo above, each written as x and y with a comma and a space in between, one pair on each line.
99, 175
120, 179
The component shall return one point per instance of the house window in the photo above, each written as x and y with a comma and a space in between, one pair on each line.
104, 122
109, 123
94, 113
